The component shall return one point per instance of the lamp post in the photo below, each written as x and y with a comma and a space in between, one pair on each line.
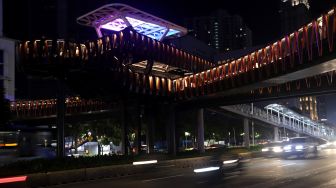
229, 138
186, 134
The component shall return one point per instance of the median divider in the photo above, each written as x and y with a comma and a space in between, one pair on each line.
115, 171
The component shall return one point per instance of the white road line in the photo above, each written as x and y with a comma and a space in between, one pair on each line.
286, 164
167, 177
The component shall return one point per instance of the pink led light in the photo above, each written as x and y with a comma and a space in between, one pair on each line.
13, 179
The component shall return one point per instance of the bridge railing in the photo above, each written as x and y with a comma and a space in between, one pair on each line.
44, 108
308, 43
125, 45
320, 131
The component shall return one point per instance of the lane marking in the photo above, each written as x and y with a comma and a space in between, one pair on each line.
286, 164
162, 178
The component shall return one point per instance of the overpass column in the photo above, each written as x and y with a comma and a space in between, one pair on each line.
150, 131
200, 130
170, 128
276, 134
246, 133
60, 119
123, 122
138, 130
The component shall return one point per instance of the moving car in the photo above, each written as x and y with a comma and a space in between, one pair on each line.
221, 164
272, 149
302, 147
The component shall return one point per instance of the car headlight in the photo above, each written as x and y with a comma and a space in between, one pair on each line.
230, 161
277, 149
287, 148
299, 147
264, 149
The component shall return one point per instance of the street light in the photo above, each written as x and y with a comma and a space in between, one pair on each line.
229, 138
186, 134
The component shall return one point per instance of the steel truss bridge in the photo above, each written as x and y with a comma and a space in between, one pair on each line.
280, 116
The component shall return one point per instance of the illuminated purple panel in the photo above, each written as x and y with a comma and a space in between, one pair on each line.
172, 32
146, 28
118, 16
115, 25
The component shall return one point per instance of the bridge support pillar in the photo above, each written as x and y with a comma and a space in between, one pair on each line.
150, 131
276, 134
137, 142
170, 129
60, 119
200, 130
123, 122
246, 133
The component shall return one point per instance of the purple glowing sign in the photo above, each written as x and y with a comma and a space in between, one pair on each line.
146, 28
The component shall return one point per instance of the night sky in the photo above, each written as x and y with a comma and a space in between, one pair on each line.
261, 16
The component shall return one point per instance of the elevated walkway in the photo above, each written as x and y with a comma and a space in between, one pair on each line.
280, 116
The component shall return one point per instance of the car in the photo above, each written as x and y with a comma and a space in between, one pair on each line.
221, 164
300, 147
272, 149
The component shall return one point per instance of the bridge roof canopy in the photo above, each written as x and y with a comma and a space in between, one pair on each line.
117, 17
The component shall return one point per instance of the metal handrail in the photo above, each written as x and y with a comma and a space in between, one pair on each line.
246, 110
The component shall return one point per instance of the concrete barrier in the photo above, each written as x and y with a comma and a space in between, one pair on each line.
68, 176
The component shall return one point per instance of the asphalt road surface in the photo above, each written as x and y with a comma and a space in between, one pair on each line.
255, 173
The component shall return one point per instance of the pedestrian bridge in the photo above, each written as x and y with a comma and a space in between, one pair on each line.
146, 66
280, 116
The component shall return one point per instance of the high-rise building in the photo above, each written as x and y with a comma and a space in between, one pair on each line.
313, 107
221, 31
322, 108
293, 14
308, 107
7, 62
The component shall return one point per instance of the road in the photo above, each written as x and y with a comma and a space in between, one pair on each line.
256, 173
